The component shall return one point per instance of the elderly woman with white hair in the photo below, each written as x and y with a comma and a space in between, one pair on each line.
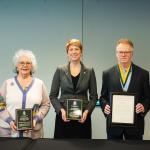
21, 92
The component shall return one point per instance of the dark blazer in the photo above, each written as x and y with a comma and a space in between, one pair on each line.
86, 88
139, 84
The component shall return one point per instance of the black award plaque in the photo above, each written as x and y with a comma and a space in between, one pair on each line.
74, 109
24, 119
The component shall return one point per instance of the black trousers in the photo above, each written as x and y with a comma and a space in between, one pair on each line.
72, 129
124, 136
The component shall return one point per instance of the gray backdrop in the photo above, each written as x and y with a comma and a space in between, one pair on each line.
44, 26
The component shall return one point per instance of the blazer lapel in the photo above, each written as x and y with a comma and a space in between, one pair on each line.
68, 74
82, 74
133, 77
117, 78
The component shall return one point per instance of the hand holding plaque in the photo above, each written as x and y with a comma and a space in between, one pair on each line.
74, 109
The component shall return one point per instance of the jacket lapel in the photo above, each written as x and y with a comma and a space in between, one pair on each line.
117, 78
68, 74
82, 74
133, 77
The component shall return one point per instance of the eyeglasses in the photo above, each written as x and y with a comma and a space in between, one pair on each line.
22, 63
124, 52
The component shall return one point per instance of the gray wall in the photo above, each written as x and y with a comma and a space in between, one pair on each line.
44, 26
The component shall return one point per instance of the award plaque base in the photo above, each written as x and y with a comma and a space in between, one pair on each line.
74, 109
24, 119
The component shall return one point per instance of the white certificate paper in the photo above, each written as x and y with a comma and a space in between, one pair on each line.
123, 109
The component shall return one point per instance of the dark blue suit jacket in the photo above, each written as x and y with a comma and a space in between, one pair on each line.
139, 85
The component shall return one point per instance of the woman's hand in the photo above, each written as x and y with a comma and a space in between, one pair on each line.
13, 126
34, 123
63, 114
84, 116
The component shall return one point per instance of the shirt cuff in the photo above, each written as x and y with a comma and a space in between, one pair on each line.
8, 120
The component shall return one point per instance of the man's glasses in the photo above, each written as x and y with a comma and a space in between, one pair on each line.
124, 52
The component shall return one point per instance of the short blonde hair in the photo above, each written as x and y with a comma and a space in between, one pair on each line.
125, 41
28, 54
74, 42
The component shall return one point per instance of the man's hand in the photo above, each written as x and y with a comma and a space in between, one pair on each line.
140, 108
107, 109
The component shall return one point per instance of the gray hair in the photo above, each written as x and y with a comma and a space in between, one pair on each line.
28, 54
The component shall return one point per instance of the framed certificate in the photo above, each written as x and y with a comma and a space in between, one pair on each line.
24, 119
74, 109
122, 109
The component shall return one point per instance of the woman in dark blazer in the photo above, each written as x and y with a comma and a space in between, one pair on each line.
73, 81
